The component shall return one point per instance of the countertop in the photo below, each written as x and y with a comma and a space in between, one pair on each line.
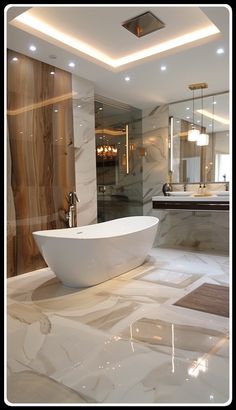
211, 198
122, 341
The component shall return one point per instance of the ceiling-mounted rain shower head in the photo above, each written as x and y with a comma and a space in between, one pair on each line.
143, 24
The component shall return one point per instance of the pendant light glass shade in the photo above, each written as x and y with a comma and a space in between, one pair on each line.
193, 134
203, 139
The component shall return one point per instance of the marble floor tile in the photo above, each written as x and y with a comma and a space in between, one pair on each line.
122, 341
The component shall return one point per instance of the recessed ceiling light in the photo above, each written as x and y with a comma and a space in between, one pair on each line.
214, 102
32, 48
187, 108
198, 120
52, 72
187, 118
220, 51
127, 78
56, 110
15, 59
79, 106
163, 68
100, 108
71, 64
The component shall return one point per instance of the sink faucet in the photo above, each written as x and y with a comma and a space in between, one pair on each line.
71, 214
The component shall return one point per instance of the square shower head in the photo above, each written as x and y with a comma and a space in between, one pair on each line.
143, 24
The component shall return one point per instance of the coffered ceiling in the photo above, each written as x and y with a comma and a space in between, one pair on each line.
144, 72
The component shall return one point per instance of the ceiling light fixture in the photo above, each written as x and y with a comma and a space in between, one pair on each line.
203, 137
127, 78
71, 64
36, 25
193, 133
220, 51
15, 59
163, 68
32, 48
143, 24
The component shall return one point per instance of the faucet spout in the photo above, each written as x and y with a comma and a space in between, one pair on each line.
71, 213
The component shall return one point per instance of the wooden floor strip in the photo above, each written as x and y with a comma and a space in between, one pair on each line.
207, 298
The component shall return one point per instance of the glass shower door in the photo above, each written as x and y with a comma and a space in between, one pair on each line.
118, 160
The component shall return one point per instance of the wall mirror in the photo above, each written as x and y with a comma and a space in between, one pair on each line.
189, 161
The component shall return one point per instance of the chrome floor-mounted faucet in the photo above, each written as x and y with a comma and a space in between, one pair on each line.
71, 214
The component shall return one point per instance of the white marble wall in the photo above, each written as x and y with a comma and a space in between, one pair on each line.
196, 230
84, 143
178, 229
155, 162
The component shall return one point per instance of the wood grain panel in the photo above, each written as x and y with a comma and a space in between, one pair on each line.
208, 298
40, 126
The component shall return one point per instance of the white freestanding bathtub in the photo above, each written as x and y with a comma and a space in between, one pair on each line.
88, 255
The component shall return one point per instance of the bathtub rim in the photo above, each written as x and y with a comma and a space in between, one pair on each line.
52, 233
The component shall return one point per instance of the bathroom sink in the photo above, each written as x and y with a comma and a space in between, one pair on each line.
181, 193
221, 193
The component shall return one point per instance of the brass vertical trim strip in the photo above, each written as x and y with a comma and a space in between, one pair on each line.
171, 142
127, 147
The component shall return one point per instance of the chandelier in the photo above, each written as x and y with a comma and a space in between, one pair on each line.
106, 151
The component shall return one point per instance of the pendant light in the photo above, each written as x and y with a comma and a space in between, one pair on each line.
203, 138
193, 133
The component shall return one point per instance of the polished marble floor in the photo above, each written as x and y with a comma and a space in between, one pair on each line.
121, 342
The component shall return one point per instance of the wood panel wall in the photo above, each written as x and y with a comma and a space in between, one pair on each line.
40, 156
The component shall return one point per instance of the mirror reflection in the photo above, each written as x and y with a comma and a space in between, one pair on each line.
209, 162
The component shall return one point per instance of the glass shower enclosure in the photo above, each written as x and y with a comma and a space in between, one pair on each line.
118, 133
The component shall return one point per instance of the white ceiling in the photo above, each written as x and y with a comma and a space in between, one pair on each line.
100, 27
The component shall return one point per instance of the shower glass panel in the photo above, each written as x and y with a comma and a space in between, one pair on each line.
118, 129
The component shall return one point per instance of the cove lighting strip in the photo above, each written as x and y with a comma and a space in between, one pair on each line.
25, 19
214, 117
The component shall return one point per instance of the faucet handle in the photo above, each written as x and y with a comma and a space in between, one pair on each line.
76, 198
72, 197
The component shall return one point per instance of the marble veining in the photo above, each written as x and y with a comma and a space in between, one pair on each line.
84, 143
155, 163
122, 341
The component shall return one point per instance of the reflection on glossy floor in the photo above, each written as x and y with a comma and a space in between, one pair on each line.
122, 341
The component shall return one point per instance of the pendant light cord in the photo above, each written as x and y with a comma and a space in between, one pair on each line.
193, 126
202, 113
213, 113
